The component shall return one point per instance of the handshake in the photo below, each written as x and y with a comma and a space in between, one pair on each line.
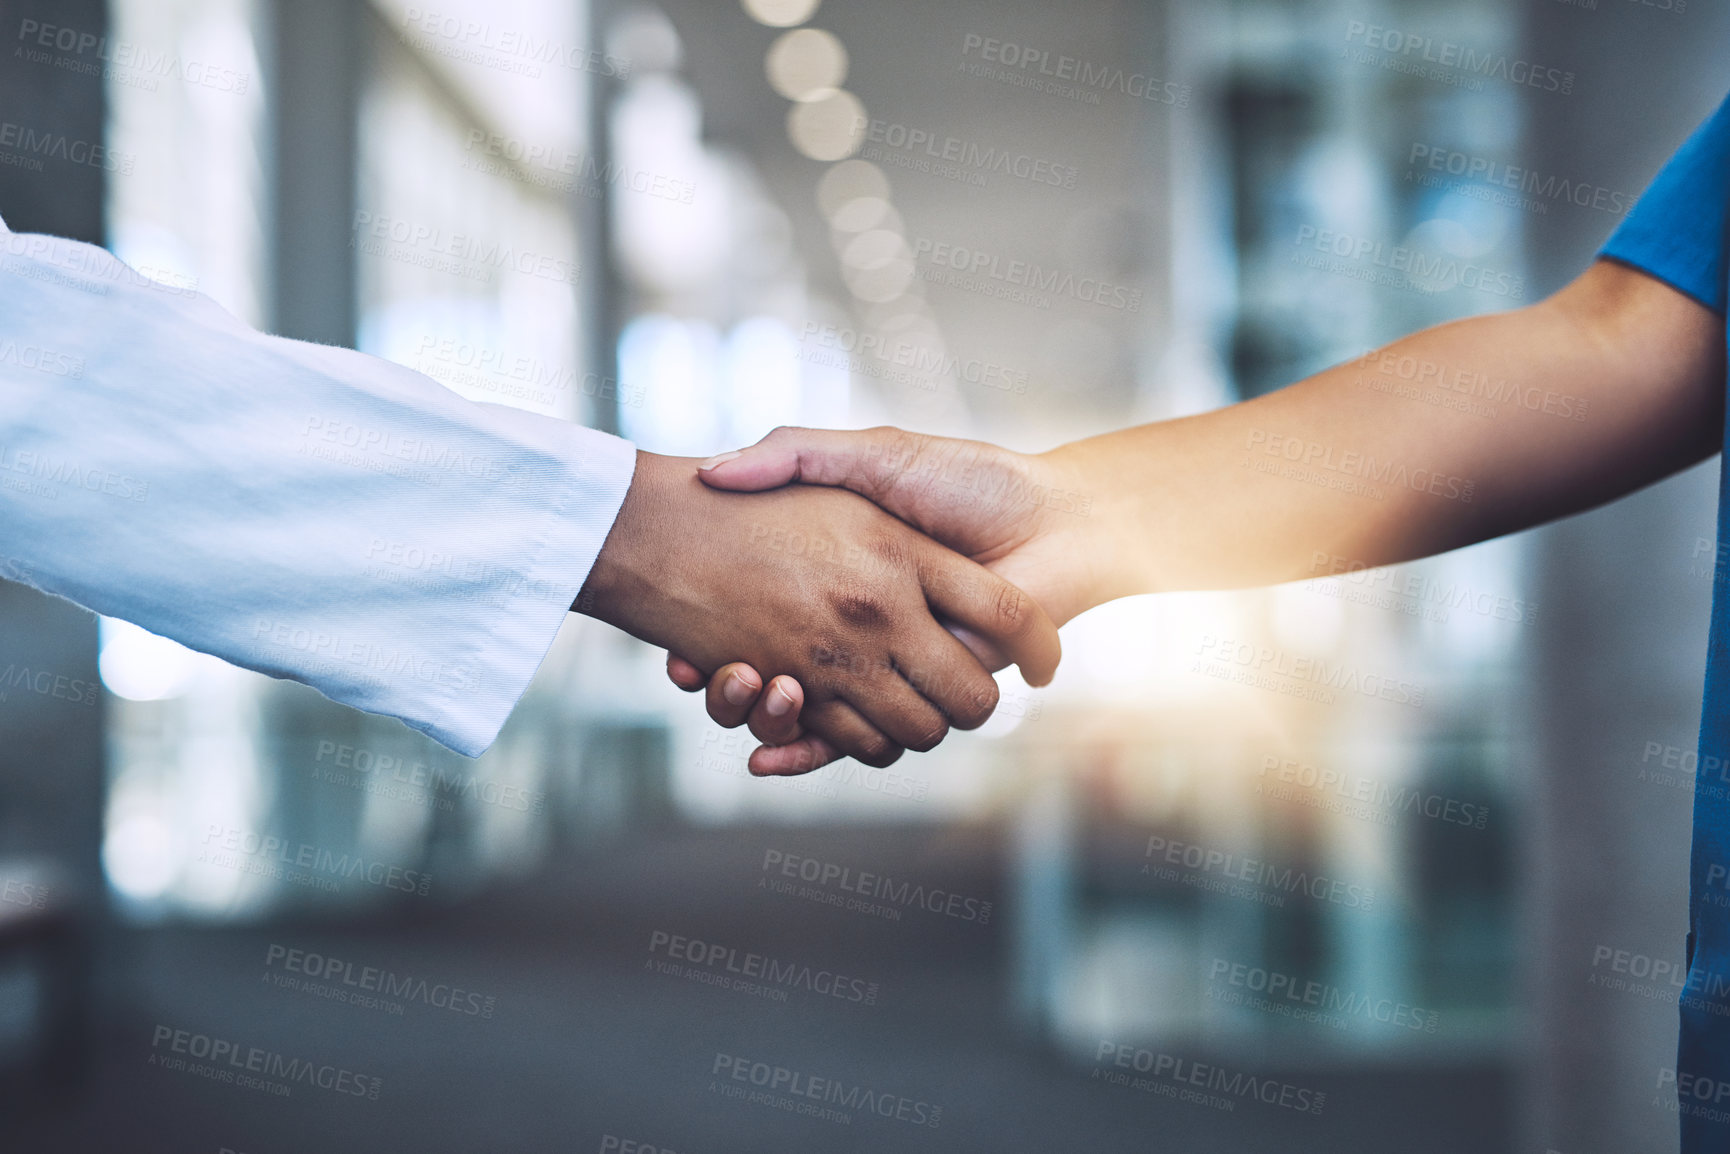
840, 623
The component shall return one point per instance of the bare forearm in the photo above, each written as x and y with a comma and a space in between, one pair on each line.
1448, 437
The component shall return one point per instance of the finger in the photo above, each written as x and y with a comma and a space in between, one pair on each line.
975, 599
901, 712
986, 653
685, 675
808, 753
775, 718
846, 729
946, 673
732, 692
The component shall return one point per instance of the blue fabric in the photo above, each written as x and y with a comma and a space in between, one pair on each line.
1677, 234
1676, 230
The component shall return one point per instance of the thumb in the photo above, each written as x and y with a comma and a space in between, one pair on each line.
842, 458
750, 470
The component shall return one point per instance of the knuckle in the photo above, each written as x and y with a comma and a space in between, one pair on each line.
893, 453
860, 609
985, 699
888, 548
872, 748
978, 703
887, 758
1012, 615
930, 738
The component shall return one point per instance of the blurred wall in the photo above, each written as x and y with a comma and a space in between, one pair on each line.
50, 747
1620, 659
316, 50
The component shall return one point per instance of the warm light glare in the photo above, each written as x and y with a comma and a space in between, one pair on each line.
877, 265
828, 128
781, 13
866, 212
802, 65
848, 181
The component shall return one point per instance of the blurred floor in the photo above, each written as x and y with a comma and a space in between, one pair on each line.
586, 1042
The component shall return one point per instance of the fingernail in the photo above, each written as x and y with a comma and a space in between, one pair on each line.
779, 704
718, 459
736, 691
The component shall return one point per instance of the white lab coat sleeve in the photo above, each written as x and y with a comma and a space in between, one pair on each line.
309, 512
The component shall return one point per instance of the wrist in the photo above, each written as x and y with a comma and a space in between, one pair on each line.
1094, 565
632, 551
